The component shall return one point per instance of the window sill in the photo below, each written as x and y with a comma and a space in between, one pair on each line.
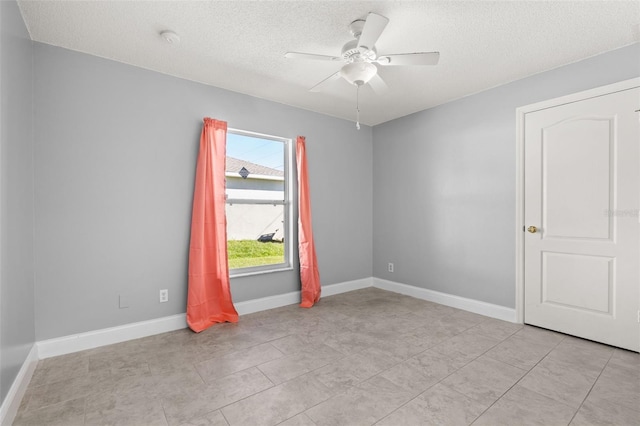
283, 268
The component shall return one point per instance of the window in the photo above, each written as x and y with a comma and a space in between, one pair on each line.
258, 203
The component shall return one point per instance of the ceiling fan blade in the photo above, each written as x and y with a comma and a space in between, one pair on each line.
419, 58
373, 27
312, 56
378, 85
324, 83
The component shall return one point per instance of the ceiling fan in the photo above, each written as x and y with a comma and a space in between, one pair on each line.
361, 56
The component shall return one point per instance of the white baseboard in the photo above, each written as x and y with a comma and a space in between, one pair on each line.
107, 336
11, 403
265, 303
471, 305
347, 286
272, 302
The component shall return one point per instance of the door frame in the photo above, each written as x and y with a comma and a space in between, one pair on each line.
520, 116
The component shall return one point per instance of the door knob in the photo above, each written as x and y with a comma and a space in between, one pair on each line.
532, 229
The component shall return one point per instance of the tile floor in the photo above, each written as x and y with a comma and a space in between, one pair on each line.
359, 358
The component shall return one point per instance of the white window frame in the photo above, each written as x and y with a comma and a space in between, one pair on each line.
287, 205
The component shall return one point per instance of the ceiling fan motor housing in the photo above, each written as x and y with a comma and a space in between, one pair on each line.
352, 53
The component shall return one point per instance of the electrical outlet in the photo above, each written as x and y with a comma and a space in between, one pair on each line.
164, 296
390, 268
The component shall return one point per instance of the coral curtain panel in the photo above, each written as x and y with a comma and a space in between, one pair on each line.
209, 296
309, 275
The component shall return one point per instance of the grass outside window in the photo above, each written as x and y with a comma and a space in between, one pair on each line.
246, 253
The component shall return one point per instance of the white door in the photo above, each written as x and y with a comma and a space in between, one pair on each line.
582, 195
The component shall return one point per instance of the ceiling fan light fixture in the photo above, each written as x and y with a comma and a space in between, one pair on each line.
358, 73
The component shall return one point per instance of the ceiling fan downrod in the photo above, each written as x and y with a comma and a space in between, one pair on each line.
358, 106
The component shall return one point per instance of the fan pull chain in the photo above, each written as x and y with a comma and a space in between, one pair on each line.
358, 107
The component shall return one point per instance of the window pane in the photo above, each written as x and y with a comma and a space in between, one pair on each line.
255, 168
257, 205
255, 235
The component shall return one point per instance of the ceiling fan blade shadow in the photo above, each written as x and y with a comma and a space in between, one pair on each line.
418, 58
325, 83
311, 56
378, 85
373, 27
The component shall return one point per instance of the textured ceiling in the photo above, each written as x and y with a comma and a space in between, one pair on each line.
240, 45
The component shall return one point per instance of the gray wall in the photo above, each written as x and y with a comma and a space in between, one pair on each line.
17, 330
116, 148
444, 183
